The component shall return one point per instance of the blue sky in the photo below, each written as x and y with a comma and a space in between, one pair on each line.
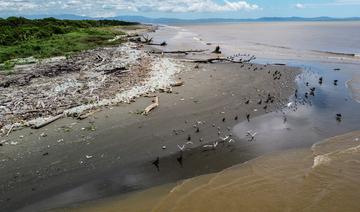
184, 8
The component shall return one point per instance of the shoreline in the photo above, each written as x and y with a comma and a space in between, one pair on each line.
117, 136
301, 168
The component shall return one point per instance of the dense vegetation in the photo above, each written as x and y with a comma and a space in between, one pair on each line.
21, 37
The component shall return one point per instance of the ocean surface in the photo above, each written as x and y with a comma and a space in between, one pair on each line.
299, 173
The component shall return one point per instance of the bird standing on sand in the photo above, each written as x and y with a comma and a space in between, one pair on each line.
320, 80
248, 117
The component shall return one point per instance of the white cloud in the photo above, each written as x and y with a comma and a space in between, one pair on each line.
111, 6
300, 6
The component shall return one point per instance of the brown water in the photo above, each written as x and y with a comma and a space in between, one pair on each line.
323, 178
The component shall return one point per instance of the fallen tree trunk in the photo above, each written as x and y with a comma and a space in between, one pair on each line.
178, 52
46, 122
152, 106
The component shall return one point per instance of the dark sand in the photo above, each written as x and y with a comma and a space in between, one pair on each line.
112, 152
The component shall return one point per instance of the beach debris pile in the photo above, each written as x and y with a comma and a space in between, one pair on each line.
41, 93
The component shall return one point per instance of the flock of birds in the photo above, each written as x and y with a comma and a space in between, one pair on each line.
250, 135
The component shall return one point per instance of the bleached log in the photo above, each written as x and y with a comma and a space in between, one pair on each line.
46, 122
152, 106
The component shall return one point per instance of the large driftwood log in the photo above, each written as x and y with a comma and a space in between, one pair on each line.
178, 52
46, 122
152, 106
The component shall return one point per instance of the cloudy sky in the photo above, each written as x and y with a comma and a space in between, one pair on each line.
184, 8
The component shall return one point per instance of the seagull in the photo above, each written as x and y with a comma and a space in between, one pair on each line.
224, 139
251, 135
181, 147
289, 104
231, 141
212, 146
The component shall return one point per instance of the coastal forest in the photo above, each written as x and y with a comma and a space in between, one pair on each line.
42, 38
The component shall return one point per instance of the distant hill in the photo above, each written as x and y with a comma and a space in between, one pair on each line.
143, 19
222, 20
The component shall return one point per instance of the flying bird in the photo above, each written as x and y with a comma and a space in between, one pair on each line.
251, 135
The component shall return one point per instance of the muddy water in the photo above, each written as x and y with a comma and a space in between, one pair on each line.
321, 178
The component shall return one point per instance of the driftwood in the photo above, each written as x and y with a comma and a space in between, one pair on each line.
157, 44
222, 59
44, 123
177, 83
178, 52
147, 39
11, 128
152, 106
86, 115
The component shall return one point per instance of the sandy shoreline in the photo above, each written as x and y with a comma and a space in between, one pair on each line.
111, 153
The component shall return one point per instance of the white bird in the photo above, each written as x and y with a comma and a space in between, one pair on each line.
181, 147
251, 135
212, 146
224, 139
231, 141
290, 104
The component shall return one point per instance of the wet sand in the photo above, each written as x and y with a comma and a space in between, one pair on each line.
323, 178
112, 152
354, 85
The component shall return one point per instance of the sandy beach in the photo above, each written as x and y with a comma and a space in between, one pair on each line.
112, 152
